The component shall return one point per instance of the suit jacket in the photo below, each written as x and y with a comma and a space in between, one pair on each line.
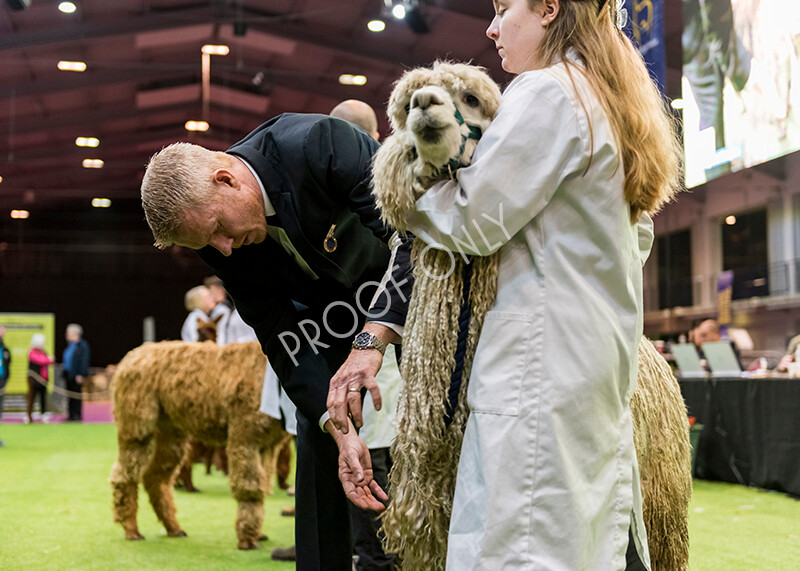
79, 364
316, 172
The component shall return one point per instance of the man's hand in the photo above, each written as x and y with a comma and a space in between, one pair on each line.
357, 372
355, 471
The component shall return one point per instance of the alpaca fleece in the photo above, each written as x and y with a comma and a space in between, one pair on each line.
164, 392
427, 450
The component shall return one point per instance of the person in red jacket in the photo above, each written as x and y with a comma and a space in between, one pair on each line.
38, 374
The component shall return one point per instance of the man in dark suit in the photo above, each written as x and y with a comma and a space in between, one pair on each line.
285, 217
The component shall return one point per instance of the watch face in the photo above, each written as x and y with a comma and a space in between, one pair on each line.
363, 339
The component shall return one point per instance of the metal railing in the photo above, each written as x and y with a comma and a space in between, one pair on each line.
769, 280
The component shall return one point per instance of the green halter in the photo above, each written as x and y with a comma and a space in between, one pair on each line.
473, 133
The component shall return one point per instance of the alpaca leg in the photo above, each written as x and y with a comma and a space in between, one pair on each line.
247, 481
170, 448
284, 465
184, 477
134, 455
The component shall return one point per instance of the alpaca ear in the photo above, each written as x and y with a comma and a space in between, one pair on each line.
393, 181
218, 318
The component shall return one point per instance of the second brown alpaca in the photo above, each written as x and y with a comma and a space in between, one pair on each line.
163, 392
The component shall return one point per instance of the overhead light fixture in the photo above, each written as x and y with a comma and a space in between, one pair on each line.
71, 66
410, 12
87, 141
101, 202
196, 125
215, 50
1, 179
348, 79
20, 214
730, 220
67, 7
376, 25
92, 163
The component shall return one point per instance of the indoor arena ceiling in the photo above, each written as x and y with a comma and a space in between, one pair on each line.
143, 81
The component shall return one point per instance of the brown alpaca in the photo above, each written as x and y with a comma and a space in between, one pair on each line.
165, 391
435, 114
196, 451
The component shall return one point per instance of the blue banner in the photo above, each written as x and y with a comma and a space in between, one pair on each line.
645, 28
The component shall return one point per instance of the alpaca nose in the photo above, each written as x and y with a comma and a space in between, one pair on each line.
424, 99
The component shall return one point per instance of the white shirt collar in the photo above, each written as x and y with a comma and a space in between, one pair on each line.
269, 210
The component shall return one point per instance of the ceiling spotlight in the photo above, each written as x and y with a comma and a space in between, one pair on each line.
410, 12
101, 202
87, 141
376, 25
196, 125
348, 79
730, 220
218, 50
20, 214
67, 7
92, 163
71, 66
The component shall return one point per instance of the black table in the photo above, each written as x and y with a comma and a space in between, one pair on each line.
751, 430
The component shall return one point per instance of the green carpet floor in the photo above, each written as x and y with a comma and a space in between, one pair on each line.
55, 513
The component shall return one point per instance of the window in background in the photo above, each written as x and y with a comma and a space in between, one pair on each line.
674, 269
744, 250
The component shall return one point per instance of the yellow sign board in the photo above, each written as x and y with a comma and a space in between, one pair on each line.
20, 327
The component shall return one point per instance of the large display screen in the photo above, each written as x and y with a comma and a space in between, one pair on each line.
741, 84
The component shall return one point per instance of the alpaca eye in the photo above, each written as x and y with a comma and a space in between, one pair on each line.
471, 100
408, 106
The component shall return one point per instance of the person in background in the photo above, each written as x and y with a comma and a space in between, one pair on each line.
199, 303
790, 356
358, 113
708, 331
229, 326
5, 369
76, 369
378, 432
38, 375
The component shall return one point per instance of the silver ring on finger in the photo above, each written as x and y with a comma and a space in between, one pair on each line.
353, 390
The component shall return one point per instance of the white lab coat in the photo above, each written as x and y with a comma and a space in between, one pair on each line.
274, 401
547, 477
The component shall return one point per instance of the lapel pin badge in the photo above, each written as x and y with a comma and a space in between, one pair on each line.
330, 244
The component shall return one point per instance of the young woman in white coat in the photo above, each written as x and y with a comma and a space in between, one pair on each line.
581, 150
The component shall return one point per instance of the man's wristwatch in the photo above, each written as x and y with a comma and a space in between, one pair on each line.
366, 340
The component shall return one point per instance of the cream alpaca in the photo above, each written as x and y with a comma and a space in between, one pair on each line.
164, 392
428, 143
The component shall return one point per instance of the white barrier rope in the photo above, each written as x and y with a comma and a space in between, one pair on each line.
58, 390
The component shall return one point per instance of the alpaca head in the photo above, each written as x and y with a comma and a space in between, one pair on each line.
207, 330
437, 115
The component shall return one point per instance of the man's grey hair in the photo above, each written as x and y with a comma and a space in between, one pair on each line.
177, 178
75, 328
